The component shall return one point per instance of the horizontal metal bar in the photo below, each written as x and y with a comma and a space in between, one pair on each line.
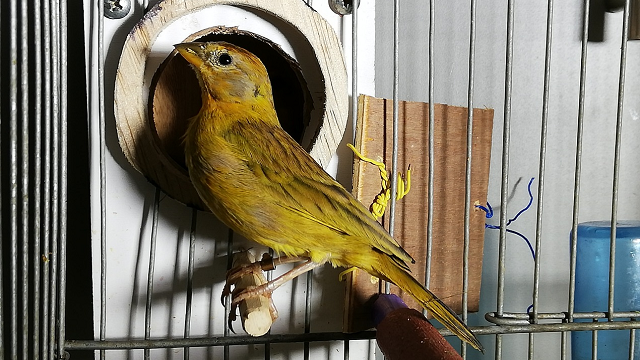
216, 341
335, 336
540, 328
523, 318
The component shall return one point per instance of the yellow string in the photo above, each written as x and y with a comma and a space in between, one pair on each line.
344, 273
382, 199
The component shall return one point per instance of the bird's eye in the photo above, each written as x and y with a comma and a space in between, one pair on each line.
224, 59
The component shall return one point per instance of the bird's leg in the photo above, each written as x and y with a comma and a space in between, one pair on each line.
266, 264
271, 286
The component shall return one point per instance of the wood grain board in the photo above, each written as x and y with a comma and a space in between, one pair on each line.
374, 139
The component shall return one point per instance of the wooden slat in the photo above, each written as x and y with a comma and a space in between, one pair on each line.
374, 140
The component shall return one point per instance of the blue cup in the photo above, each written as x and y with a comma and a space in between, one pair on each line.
592, 285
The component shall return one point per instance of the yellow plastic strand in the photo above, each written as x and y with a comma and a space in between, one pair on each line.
382, 199
344, 273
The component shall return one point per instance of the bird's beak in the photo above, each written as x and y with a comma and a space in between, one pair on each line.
192, 52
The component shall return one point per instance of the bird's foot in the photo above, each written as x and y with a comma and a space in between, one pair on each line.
238, 295
235, 274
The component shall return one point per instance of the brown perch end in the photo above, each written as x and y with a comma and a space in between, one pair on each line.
405, 333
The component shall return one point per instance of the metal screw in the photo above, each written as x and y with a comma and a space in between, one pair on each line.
116, 9
342, 7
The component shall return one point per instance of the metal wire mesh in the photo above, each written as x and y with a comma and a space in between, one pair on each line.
33, 202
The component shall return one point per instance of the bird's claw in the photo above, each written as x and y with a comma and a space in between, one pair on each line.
232, 317
235, 274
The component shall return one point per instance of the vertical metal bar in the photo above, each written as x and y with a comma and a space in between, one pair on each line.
541, 171
152, 264
346, 350
63, 175
13, 176
563, 345
46, 226
227, 303
505, 167
578, 166
594, 344
103, 179
632, 344
467, 180
431, 140
2, 323
542, 159
1, 238
354, 91
37, 177
55, 166
354, 62
192, 250
498, 349
505, 157
24, 174
616, 157
267, 346
396, 106
307, 313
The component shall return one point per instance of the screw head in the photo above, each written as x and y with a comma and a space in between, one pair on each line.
343, 7
116, 9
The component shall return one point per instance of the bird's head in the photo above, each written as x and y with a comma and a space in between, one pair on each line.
227, 73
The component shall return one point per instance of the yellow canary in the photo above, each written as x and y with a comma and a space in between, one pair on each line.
258, 181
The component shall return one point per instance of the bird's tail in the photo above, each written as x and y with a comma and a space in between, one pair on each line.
427, 299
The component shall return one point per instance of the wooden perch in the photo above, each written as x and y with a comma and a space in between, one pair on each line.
259, 312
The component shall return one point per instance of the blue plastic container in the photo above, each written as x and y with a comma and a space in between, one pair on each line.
592, 285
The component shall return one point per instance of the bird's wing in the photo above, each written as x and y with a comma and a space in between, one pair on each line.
299, 184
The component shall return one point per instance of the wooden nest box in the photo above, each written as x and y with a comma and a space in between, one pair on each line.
156, 92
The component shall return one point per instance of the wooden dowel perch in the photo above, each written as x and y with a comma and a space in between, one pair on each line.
257, 313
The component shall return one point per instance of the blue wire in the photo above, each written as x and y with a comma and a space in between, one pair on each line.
489, 211
489, 214
533, 254
526, 207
